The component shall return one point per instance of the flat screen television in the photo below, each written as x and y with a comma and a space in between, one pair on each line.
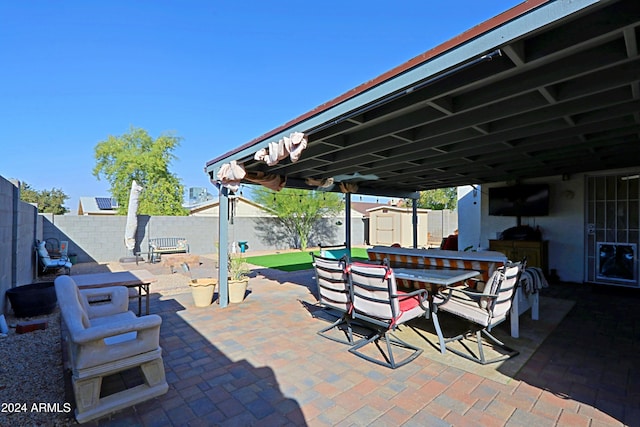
519, 200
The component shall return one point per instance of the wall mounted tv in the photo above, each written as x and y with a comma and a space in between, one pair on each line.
519, 200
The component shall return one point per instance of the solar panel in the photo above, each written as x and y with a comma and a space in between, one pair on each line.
106, 203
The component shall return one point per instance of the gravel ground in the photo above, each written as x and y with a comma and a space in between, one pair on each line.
32, 391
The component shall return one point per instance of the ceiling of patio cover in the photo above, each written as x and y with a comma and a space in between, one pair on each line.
546, 88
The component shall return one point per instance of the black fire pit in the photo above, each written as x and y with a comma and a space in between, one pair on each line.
35, 299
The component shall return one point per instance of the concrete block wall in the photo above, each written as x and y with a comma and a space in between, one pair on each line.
201, 232
6, 239
29, 230
90, 238
19, 227
101, 238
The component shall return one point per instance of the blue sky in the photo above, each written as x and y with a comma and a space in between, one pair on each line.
215, 73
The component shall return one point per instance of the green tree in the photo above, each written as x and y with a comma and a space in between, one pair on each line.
298, 211
48, 201
440, 198
137, 156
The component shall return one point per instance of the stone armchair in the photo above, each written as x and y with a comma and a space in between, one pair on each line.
103, 339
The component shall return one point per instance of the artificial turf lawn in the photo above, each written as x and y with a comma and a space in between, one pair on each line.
294, 261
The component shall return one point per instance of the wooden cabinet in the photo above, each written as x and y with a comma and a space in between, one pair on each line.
535, 251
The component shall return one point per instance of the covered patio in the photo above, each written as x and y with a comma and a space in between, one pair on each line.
261, 363
546, 90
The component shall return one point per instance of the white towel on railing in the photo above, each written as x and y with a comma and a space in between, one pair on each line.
532, 280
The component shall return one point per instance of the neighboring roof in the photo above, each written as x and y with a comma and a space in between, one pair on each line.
362, 207
213, 203
402, 209
97, 206
546, 88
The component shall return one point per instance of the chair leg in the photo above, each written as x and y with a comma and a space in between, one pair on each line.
510, 352
389, 359
436, 324
344, 320
87, 392
469, 354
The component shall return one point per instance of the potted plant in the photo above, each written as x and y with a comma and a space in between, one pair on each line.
201, 289
238, 279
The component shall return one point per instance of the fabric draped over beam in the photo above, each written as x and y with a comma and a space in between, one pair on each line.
231, 174
320, 183
327, 184
348, 187
271, 181
291, 146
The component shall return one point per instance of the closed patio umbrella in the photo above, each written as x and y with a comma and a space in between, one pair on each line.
132, 217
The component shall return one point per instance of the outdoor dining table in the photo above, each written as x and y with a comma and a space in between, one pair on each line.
435, 278
137, 279
438, 277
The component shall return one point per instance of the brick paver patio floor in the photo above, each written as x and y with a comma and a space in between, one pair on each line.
261, 363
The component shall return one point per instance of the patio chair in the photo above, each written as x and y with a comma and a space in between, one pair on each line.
483, 310
53, 247
378, 303
48, 264
334, 251
333, 294
105, 339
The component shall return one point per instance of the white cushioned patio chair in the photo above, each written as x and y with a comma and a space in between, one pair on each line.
379, 304
483, 309
333, 294
48, 264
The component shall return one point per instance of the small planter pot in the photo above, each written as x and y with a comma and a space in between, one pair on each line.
237, 290
202, 291
35, 299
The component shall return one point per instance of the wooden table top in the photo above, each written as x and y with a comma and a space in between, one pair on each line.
118, 278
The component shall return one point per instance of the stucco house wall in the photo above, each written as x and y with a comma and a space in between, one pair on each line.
564, 228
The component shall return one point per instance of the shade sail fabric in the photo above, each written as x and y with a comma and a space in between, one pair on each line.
290, 146
231, 174
271, 181
348, 187
132, 216
295, 144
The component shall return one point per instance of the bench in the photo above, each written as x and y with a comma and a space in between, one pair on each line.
485, 262
102, 339
167, 245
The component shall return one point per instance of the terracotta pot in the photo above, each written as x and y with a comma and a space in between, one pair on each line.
202, 291
237, 290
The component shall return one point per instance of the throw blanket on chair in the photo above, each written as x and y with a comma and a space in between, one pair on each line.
532, 280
